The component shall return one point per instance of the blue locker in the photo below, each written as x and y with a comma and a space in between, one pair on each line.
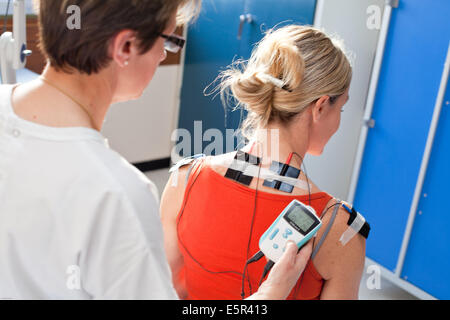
408, 85
428, 256
213, 44
269, 13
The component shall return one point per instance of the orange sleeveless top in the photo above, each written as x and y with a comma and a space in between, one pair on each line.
213, 236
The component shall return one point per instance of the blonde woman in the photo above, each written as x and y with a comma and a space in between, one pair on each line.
76, 220
295, 84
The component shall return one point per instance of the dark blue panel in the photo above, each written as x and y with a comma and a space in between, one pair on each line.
408, 85
212, 45
428, 257
268, 14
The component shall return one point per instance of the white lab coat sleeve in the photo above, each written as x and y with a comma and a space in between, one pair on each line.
123, 256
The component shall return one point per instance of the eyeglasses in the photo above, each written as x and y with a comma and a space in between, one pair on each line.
173, 42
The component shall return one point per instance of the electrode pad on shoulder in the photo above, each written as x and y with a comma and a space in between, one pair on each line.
356, 224
282, 169
245, 159
297, 222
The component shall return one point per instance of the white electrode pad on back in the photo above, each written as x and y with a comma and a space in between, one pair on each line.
297, 222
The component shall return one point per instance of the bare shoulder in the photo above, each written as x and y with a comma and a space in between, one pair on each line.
333, 257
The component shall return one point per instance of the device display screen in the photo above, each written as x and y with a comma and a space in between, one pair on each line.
298, 216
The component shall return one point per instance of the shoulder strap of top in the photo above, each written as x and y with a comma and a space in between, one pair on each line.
194, 169
184, 162
330, 224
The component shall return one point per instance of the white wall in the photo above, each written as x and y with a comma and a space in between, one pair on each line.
347, 18
140, 130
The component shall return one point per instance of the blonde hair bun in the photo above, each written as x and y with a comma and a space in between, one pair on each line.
289, 68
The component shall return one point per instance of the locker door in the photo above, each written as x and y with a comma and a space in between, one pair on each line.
268, 14
407, 89
428, 256
213, 44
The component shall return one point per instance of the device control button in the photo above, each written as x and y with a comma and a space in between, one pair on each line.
274, 234
287, 233
275, 246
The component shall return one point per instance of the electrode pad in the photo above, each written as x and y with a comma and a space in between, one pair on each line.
283, 170
237, 173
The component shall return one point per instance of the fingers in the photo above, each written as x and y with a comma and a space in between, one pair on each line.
303, 255
293, 257
289, 255
293, 260
285, 273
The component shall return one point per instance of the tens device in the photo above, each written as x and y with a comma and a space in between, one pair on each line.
297, 222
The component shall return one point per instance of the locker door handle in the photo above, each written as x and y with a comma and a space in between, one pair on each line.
243, 18
369, 123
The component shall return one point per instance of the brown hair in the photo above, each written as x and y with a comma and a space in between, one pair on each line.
85, 49
290, 68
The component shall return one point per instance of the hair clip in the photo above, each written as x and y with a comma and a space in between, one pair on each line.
266, 78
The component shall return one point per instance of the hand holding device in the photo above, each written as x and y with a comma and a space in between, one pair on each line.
297, 222
285, 273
